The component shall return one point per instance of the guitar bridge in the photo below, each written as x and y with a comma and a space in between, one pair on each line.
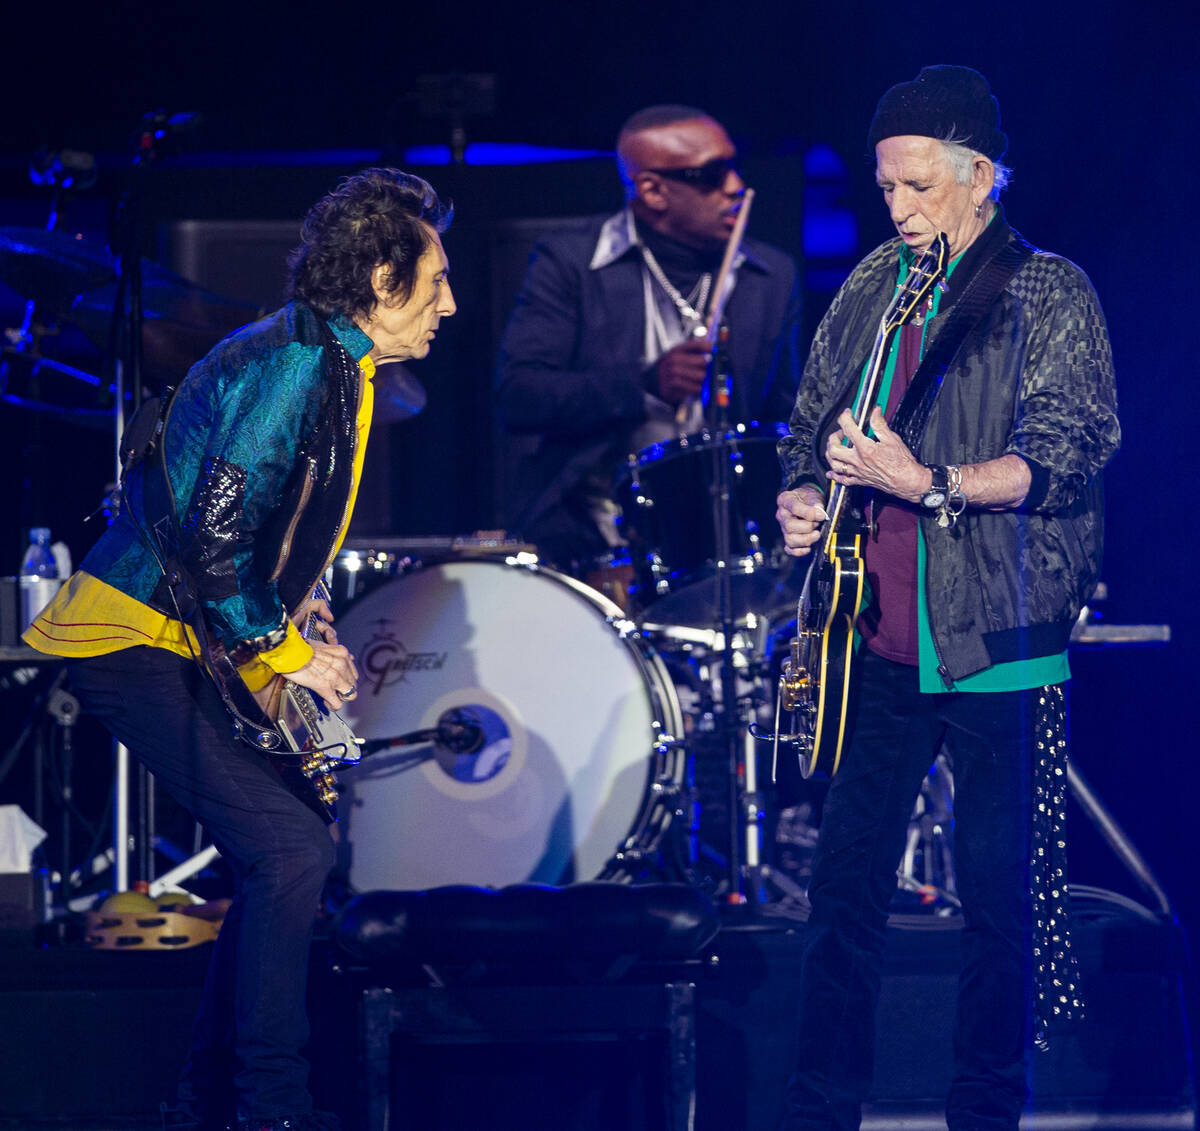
795, 681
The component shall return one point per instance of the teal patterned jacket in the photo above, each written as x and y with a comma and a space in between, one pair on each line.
259, 445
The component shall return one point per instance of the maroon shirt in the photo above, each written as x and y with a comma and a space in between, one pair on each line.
889, 623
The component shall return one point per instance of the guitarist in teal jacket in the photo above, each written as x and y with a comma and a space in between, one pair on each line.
263, 448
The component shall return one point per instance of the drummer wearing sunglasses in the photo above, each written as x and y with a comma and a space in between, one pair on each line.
685, 187
602, 346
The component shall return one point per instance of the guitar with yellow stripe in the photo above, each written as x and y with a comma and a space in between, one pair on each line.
814, 683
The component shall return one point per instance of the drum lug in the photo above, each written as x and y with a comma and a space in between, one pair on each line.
660, 573
624, 627
754, 542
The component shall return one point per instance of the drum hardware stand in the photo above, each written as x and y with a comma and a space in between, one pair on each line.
733, 716
760, 876
63, 709
728, 724
928, 842
1114, 836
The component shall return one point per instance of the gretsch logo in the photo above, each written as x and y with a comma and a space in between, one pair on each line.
387, 662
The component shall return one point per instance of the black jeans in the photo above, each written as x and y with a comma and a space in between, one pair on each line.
252, 1023
896, 735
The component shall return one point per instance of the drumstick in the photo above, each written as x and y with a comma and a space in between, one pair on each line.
716, 306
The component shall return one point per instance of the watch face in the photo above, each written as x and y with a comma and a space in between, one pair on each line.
933, 499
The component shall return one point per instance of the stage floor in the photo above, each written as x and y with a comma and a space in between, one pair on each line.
99, 1037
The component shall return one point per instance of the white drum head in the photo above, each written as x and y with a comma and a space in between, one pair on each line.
567, 714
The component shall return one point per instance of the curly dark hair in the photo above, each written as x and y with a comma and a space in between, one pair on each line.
377, 216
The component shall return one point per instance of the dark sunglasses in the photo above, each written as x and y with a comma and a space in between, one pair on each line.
709, 176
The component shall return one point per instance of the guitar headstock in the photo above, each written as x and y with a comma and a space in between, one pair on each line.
922, 277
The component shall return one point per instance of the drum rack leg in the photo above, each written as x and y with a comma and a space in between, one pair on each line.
1116, 839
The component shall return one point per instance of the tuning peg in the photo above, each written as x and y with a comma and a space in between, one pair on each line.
943, 286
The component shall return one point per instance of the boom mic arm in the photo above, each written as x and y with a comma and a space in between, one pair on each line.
456, 730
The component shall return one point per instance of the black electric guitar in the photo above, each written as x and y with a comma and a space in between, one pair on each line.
306, 740
814, 684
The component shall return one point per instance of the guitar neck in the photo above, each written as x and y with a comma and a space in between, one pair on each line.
865, 401
320, 593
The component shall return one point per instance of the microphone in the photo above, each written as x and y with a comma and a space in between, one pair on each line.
456, 730
459, 733
158, 132
162, 124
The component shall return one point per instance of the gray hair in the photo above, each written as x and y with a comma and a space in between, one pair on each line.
960, 157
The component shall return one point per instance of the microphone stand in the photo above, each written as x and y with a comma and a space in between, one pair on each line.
734, 714
154, 137
728, 724
733, 730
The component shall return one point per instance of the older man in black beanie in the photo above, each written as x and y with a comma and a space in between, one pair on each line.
973, 484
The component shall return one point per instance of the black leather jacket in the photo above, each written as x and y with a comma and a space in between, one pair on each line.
1033, 378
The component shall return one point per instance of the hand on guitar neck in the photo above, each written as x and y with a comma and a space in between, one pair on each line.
331, 673
887, 465
883, 462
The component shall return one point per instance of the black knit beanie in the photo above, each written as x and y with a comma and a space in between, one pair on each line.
942, 101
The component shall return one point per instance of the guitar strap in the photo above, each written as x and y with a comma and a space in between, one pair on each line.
912, 417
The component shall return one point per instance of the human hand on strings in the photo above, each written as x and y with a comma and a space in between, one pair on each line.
317, 608
884, 462
331, 673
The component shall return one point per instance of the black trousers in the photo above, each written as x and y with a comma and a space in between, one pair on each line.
252, 1023
897, 732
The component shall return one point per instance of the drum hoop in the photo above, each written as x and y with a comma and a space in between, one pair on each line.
701, 441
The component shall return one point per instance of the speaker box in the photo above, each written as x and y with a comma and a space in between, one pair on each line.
1127, 1065
94, 1033
241, 259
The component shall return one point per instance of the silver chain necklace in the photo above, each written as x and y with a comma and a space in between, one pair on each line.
699, 295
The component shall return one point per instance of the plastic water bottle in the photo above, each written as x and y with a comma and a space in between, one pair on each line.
39, 575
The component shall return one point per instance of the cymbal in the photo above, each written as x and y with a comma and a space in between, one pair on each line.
54, 389
398, 394
181, 320
77, 280
53, 267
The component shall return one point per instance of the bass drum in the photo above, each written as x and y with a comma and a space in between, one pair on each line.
578, 773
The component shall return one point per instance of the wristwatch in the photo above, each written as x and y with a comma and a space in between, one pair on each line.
935, 497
